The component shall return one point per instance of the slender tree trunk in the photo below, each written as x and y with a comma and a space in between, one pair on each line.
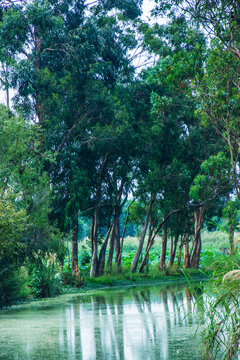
230, 229
198, 217
119, 259
115, 236
95, 221
150, 234
173, 252
231, 239
155, 234
180, 252
6, 84
117, 242
186, 259
101, 260
171, 246
164, 249
92, 230
142, 236
94, 246
114, 242
111, 246
75, 246
146, 256
68, 253
7, 97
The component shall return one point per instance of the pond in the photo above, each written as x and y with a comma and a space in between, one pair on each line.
136, 323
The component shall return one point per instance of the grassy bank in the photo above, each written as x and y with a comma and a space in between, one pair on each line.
46, 280
126, 278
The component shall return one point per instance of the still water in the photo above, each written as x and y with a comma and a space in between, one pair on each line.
151, 323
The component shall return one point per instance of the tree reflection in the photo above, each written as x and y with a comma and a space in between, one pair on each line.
152, 323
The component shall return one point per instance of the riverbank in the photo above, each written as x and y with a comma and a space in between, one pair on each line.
121, 281
100, 286
129, 280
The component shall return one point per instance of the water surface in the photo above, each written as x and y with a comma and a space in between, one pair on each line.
151, 323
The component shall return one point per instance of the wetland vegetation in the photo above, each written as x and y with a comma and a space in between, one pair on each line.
119, 160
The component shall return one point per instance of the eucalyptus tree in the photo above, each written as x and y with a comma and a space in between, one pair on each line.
66, 61
218, 107
210, 185
219, 19
169, 170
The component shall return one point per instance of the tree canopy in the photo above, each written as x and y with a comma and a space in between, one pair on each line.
87, 135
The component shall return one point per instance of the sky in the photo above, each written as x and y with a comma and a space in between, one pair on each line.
147, 7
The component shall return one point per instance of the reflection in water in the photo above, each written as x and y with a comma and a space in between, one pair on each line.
152, 323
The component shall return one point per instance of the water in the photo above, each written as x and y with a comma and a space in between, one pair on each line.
150, 323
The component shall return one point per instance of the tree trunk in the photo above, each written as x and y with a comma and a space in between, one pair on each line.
146, 256
180, 252
142, 236
119, 259
155, 234
75, 246
164, 249
186, 258
68, 254
198, 217
101, 260
94, 246
173, 251
95, 221
7, 97
231, 239
92, 230
111, 246
114, 242
171, 246
230, 229
117, 243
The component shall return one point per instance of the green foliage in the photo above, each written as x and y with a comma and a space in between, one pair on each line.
13, 223
220, 19
14, 286
45, 275
67, 277
219, 263
114, 132
56, 244
222, 334
85, 257
214, 180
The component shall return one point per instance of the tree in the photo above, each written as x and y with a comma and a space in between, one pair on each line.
84, 48
209, 186
219, 18
173, 124
219, 102
13, 224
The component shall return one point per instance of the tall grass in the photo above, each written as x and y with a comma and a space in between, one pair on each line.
221, 335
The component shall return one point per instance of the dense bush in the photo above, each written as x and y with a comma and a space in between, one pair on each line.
85, 257
14, 286
45, 275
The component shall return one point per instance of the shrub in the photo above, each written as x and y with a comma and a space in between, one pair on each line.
14, 286
85, 257
67, 277
45, 275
